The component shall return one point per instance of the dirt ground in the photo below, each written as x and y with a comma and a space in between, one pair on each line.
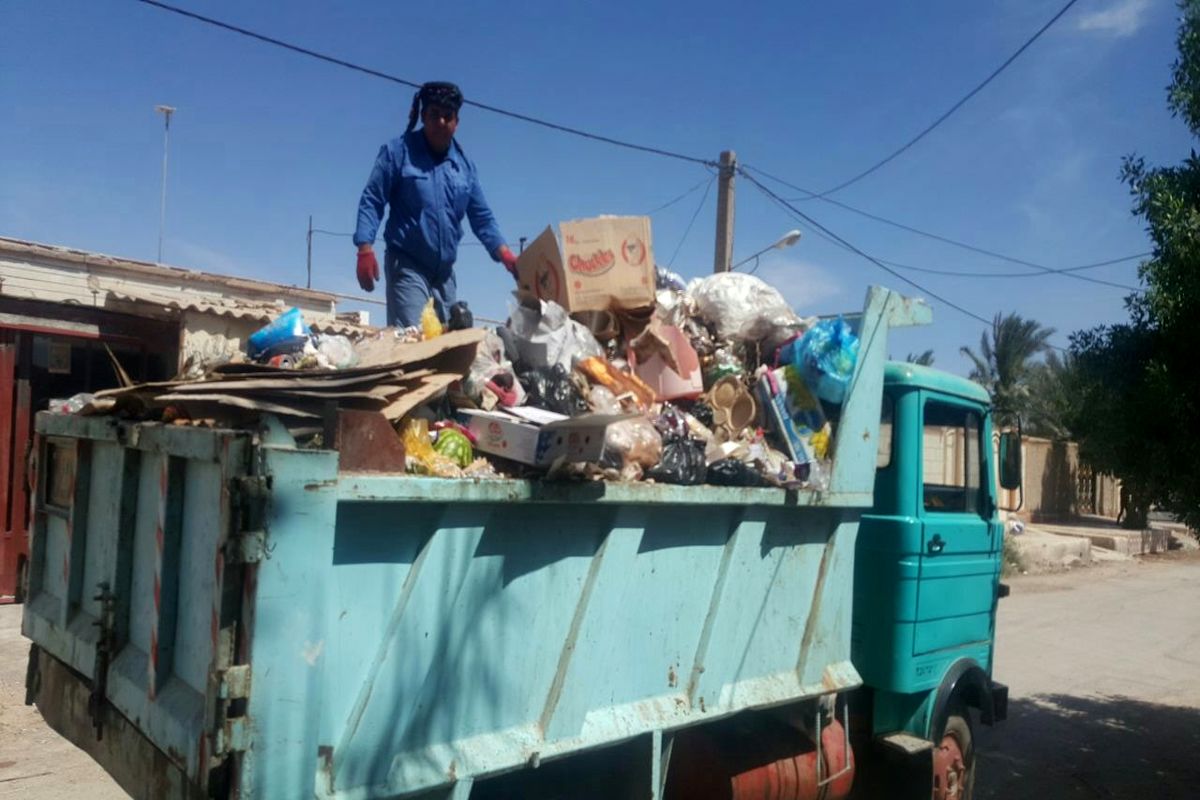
1102, 663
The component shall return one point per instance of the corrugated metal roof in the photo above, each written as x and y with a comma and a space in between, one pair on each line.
106, 263
238, 309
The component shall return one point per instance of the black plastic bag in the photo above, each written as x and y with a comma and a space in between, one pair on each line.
731, 472
461, 317
551, 388
682, 462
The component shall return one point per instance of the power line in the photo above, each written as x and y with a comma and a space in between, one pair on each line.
996, 72
405, 82
670, 203
800, 216
946, 240
1035, 274
825, 233
692, 222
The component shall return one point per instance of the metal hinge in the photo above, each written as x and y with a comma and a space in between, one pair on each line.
235, 682
233, 736
248, 547
247, 541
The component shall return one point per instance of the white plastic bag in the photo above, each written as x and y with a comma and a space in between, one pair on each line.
546, 336
490, 364
741, 306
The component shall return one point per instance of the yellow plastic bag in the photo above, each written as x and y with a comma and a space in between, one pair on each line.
421, 457
431, 326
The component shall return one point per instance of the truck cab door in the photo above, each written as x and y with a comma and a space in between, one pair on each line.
958, 562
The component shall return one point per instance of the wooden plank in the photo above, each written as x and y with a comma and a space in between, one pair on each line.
386, 351
429, 388
307, 410
300, 381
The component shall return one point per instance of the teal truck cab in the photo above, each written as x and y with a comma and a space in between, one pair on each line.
926, 584
225, 613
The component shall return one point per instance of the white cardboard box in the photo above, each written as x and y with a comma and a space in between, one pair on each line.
538, 437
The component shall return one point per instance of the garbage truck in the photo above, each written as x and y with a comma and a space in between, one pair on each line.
222, 613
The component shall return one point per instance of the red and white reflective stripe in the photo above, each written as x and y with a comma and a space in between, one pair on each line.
159, 536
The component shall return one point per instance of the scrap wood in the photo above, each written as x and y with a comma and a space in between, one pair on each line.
387, 351
428, 389
300, 381
253, 404
122, 376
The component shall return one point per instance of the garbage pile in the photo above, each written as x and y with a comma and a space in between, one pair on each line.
623, 372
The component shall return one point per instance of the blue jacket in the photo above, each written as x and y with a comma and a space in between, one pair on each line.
428, 200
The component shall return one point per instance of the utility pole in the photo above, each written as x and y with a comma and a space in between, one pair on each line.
309, 284
166, 111
725, 204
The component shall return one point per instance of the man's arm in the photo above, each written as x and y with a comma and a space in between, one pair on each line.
374, 200
483, 221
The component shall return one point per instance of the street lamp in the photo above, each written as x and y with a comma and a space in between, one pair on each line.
787, 240
166, 111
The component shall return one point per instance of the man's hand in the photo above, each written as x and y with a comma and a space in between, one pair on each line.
368, 268
508, 259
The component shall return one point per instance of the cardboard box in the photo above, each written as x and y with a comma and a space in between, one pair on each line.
538, 437
601, 263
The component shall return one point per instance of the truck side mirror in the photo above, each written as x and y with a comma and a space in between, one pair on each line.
1010, 460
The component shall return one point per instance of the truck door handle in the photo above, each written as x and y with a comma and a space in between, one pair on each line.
937, 544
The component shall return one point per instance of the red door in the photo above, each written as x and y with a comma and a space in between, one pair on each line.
15, 432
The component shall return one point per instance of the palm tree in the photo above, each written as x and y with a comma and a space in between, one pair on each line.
924, 359
1004, 363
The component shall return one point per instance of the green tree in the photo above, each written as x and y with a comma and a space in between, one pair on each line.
924, 359
1139, 382
1005, 362
1053, 396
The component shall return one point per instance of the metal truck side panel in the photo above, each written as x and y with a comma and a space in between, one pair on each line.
129, 527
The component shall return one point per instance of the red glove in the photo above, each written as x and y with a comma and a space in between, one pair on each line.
508, 259
368, 270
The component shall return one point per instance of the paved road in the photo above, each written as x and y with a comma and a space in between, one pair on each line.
1103, 664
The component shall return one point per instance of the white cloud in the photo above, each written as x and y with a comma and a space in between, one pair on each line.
807, 287
1124, 18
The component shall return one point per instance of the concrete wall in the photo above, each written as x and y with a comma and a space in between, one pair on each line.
1056, 486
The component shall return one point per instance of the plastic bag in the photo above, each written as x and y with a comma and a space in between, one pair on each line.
338, 351
287, 334
630, 446
491, 379
546, 336
420, 456
666, 279
71, 405
552, 389
741, 306
461, 317
825, 356
682, 462
732, 472
431, 326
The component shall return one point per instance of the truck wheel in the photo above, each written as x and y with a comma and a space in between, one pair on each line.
954, 759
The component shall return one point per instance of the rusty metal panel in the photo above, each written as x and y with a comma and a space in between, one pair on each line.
12, 542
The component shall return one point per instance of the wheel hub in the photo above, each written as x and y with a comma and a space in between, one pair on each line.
949, 770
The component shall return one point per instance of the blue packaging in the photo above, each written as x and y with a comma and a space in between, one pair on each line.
287, 331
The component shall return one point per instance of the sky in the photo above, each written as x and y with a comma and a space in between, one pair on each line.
812, 93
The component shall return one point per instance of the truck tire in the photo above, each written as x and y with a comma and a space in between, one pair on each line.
954, 758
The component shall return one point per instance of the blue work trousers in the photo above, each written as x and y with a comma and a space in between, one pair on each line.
409, 289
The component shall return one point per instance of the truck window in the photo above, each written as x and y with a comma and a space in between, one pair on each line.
883, 457
952, 458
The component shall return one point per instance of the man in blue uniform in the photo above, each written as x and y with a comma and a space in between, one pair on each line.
430, 185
